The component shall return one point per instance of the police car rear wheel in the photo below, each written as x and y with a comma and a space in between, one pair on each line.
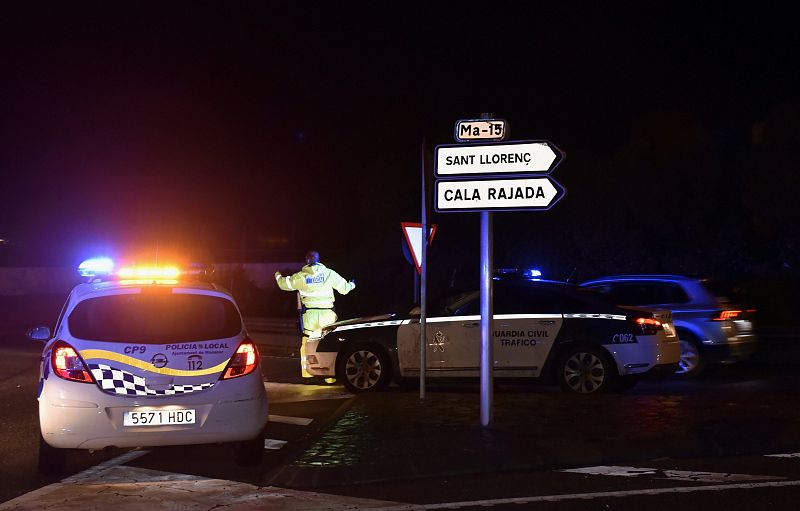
249, 452
585, 371
52, 461
365, 368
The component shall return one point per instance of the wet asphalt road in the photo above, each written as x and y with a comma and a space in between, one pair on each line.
725, 421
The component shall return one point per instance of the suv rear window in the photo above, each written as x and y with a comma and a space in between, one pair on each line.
155, 318
643, 293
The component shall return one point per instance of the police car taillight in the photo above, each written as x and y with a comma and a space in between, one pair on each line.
243, 362
645, 326
67, 364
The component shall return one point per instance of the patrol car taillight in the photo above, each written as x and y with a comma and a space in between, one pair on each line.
243, 362
646, 326
67, 363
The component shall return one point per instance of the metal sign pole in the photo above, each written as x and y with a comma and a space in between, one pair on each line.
423, 308
487, 313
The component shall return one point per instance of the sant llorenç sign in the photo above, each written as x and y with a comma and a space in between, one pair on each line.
510, 176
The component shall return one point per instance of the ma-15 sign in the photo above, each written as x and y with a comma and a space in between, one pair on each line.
492, 176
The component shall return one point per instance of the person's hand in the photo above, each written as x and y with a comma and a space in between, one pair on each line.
278, 275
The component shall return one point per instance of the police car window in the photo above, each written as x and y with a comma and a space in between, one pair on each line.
526, 299
155, 318
463, 304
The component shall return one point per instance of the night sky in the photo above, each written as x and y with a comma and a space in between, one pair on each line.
230, 128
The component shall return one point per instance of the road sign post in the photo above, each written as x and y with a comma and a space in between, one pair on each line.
488, 177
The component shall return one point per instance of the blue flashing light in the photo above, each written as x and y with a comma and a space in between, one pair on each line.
96, 266
532, 273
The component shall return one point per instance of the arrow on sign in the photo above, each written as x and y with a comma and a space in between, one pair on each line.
413, 233
527, 156
522, 194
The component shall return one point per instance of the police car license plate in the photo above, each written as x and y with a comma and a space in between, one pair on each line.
158, 417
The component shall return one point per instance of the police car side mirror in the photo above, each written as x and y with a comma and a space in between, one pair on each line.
38, 333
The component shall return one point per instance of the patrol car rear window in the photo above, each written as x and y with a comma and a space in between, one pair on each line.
155, 318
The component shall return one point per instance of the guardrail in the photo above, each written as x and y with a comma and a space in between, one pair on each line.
277, 325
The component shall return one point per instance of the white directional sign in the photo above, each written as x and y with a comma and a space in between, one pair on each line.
507, 158
535, 193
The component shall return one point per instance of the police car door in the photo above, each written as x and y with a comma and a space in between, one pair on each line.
527, 320
454, 337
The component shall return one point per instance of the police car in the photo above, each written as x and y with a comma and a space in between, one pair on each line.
148, 357
540, 329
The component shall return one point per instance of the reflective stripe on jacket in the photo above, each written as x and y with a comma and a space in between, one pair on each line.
316, 283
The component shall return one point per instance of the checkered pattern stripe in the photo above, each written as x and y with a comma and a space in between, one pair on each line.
117, 381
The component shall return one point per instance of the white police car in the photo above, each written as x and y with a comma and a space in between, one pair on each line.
541, 328
148, 358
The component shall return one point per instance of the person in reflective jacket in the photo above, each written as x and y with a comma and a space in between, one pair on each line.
315, 282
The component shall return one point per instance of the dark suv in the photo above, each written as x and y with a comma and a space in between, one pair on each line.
711, 330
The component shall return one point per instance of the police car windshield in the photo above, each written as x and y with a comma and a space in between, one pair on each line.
155, 318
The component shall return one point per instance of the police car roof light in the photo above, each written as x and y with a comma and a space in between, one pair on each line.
96, 267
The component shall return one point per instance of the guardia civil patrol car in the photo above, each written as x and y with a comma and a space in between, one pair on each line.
541, 329
148, 358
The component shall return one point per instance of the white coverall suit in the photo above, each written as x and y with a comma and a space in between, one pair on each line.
315, 283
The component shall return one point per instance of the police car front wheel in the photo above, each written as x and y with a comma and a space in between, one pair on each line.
585, 370
364, 368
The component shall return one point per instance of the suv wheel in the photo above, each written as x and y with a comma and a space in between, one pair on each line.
691, 363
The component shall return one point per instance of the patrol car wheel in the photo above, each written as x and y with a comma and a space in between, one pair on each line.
249, 452
691, 363
364, 368
52, 461
585, 370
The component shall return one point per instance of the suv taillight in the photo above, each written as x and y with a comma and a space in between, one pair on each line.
645, 326
243, 362
67, 364
732, 314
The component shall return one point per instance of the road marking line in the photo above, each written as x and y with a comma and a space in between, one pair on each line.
269, 443
677, 475
297, 421
584, 496
95, 470
792, 455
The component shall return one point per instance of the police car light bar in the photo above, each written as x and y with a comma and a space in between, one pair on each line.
103, 267
96, 267
149, 275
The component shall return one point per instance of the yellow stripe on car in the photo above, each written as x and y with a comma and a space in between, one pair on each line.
147, 366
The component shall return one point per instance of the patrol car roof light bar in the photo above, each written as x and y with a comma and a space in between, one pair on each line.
99, 268
96, 268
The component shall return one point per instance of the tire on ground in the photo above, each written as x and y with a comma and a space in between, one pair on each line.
586, 370
364, 368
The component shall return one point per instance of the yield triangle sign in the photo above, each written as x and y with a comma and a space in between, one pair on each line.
413, 233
